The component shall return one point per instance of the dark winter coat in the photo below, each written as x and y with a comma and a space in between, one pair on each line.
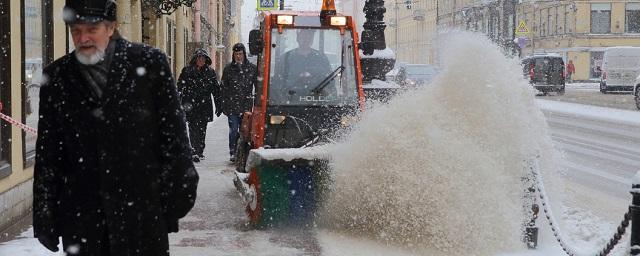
196, 86
115, 163
238, 82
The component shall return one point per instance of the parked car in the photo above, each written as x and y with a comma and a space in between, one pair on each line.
620, 67
545, 72
416, 74
636, 92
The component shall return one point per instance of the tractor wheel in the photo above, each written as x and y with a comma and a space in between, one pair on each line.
254, 207
242, 152
603, 88
637, 98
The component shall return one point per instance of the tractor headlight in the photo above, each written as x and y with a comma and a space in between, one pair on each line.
338, 21
285, 20
277, 119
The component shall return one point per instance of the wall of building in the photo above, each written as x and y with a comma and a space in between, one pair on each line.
411, 27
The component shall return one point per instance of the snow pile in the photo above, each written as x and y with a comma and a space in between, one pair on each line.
439, 169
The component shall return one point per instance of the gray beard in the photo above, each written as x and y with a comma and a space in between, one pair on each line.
90, 59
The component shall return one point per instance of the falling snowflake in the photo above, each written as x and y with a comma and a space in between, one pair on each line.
141, 71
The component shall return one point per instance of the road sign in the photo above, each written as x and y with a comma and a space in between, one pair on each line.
264, 5
522, 28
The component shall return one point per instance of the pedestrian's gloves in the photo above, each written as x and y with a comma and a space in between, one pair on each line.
49, 241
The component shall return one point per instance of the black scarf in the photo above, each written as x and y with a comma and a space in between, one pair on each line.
96, 75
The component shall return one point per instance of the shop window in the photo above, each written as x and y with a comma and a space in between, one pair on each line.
5, 86
600, 18
37, 52
170, 43
632, 17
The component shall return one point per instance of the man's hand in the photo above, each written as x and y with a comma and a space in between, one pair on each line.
49, 241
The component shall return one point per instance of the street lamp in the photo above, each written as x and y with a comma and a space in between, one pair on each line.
167, 6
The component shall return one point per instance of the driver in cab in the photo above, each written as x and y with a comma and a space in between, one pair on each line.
304, 67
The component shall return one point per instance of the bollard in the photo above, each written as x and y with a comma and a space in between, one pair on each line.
634, 210
531, 230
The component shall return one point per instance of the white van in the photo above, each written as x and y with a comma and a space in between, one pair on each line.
620, 67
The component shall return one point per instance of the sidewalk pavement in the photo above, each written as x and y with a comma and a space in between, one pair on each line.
217, 225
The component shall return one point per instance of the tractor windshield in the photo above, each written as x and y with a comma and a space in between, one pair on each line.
311, 66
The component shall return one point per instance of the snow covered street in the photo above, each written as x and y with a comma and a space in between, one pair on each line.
436, 172
218, 226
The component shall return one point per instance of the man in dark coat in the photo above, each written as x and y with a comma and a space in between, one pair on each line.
113, 170
197, 83
238, 81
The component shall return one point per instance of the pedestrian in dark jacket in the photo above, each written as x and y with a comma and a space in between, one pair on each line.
238, 81
113, 170
197, 83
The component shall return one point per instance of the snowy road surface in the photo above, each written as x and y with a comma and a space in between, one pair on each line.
601, 157
456, 166
601, 149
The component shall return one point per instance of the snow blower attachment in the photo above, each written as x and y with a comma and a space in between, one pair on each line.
310, 87
284, 186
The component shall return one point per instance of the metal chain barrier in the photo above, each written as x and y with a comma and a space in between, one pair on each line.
17, 123
553, 223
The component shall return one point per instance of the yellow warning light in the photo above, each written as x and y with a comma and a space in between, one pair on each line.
329, 5
285, 20
328, 9
338, 21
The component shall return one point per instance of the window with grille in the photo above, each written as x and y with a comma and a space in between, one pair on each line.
632, 18
600, 18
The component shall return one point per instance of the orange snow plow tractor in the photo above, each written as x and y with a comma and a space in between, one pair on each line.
309, 88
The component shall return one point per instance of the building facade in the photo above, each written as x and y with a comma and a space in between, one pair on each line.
580, 30
33, 34
412, 29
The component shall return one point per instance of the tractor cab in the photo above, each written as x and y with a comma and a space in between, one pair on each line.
311, 78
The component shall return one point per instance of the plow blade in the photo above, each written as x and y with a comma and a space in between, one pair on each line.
284, 186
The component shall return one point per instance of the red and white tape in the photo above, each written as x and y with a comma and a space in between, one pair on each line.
17, 123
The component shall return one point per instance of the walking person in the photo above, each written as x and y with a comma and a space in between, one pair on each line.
197, 83
571, 69
238, 81
113, 170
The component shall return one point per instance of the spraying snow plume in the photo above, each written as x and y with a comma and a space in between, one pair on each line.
439, 169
